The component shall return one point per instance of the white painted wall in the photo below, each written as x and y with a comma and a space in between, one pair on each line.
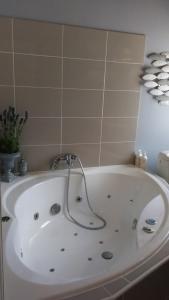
150, 17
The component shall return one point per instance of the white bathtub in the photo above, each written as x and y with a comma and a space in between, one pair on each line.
51, 257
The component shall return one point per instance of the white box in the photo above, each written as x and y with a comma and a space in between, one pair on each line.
163, 165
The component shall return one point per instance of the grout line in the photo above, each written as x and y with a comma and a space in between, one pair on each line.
118, 142
140, 105
104, 84
13, 64
129, 117
44, 117
38, 87
74, 144
61, 124
97, 118
38, 55
61, 127
79, 144
134, 91
83, 59
72, 58
6, 52
106, 90
40, 145
64, 88
123, 62
102, 60
7, 85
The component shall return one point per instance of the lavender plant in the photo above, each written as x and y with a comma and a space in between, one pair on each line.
11, 126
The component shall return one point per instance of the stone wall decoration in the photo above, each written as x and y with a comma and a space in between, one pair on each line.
156, 77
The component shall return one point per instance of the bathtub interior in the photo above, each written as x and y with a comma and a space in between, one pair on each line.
58, 251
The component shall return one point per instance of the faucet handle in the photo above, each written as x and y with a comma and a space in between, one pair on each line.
54, 162
65, 157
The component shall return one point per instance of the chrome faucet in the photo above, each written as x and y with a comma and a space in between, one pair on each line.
68, 159
64, 157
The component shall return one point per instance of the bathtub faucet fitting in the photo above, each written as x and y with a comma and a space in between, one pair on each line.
68, 158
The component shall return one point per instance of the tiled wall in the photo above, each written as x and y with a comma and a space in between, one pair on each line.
80, 86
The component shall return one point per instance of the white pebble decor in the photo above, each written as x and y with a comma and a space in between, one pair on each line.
156, 92
150, 77
163, 75
158, 63
156, 77
150, 84
165, 69
164, 88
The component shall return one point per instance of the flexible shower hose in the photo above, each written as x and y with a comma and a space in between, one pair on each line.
66, 208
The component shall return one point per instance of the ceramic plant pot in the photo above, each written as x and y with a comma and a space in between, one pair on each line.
7, 165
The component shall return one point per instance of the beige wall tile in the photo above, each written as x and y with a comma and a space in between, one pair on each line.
83, 74
39, 157
119, 129
5, 34
41, 132
82, 103
37, 37
117, 153
122, 76
39, 102
121, 104
81, 130
6, 97
125, 47
82, 42
37, 71
6, 66
88, 153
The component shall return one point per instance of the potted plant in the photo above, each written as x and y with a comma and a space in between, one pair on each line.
11, 126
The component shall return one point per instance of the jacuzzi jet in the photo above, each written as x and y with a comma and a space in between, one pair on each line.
107, 255
79, 199
151, 221
5, 219
36, 216
52, 270
55, 209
